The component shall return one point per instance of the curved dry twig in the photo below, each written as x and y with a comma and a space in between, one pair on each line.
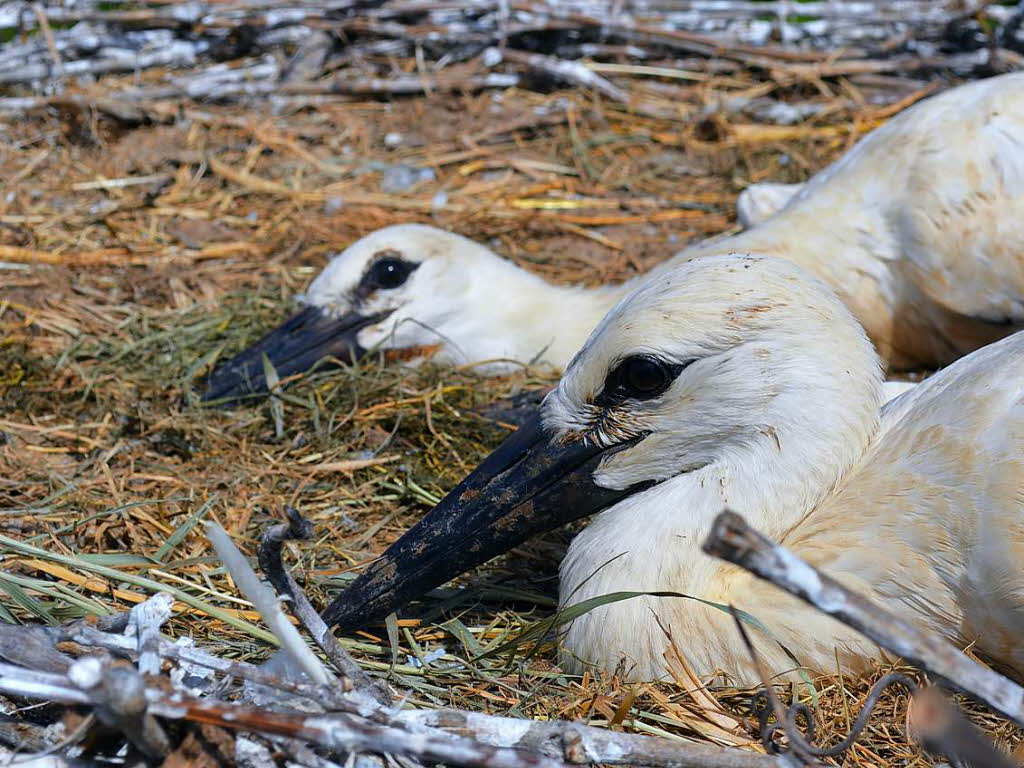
762, 708
270, 561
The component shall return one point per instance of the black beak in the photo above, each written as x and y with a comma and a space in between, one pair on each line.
530, 484
295, 347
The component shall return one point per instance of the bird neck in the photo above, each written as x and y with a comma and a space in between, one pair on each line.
526, 319
774, 478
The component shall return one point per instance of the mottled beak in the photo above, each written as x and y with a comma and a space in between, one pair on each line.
533, 482
295, 347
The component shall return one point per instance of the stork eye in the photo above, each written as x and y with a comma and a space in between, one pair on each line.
640, 377
646, 376
388, 272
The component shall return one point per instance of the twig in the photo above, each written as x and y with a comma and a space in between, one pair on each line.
733, 540
800, 747
572, 742
188, 655
787, 719
33, 647
119, 697
270, 562
146, 619
265, 602
440, 83
578, 743
567, 71
831, 38
51, 43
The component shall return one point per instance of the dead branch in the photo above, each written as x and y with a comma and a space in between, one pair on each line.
134, 704
123, 700
577, 743
272, 565
32, 646
439, 83
946, 734
291, 46
146, 619
733, 540
459, 738
570, 72
118, 695
266, 603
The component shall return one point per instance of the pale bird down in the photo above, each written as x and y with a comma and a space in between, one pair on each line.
741, 382
919, 229
761, 201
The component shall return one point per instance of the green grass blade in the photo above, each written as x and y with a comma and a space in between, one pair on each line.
144, 583
26, 601
179, 533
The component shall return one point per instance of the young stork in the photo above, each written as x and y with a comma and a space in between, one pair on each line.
741, 381
919, 229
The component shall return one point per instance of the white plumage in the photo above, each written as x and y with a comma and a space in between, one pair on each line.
919, 229
761, 201
919, 504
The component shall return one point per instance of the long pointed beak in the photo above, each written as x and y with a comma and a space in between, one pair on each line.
530, 484
294, 347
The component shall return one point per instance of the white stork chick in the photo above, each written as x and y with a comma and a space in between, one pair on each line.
919, 229
741, 381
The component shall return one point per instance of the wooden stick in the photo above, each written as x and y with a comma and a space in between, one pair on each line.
450, 736
118, 695
733, 540
586, 744
264, 601
572, 742
272, 565
567, 71
146, 619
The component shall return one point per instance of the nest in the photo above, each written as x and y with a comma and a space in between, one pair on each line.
137, 251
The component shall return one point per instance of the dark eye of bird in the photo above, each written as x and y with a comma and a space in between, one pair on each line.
640, 377
645, 375
389, 272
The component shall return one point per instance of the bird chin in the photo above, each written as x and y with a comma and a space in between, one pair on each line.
532, 483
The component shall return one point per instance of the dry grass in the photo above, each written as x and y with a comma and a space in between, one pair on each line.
115, 296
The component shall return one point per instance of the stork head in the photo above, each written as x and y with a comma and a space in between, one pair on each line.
409, 287
742, 360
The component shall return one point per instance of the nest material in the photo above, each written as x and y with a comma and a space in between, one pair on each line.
134, 253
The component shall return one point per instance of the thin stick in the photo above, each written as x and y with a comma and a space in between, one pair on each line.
586, 744
559, 740
119, 696
265, 602
147, 618
567, 71
272, 565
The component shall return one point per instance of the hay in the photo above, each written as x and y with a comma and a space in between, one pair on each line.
131, 260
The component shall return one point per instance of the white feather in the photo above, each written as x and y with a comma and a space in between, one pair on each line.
919, 229
919, 504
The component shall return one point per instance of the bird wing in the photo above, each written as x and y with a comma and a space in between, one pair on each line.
960, 219
931, 520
